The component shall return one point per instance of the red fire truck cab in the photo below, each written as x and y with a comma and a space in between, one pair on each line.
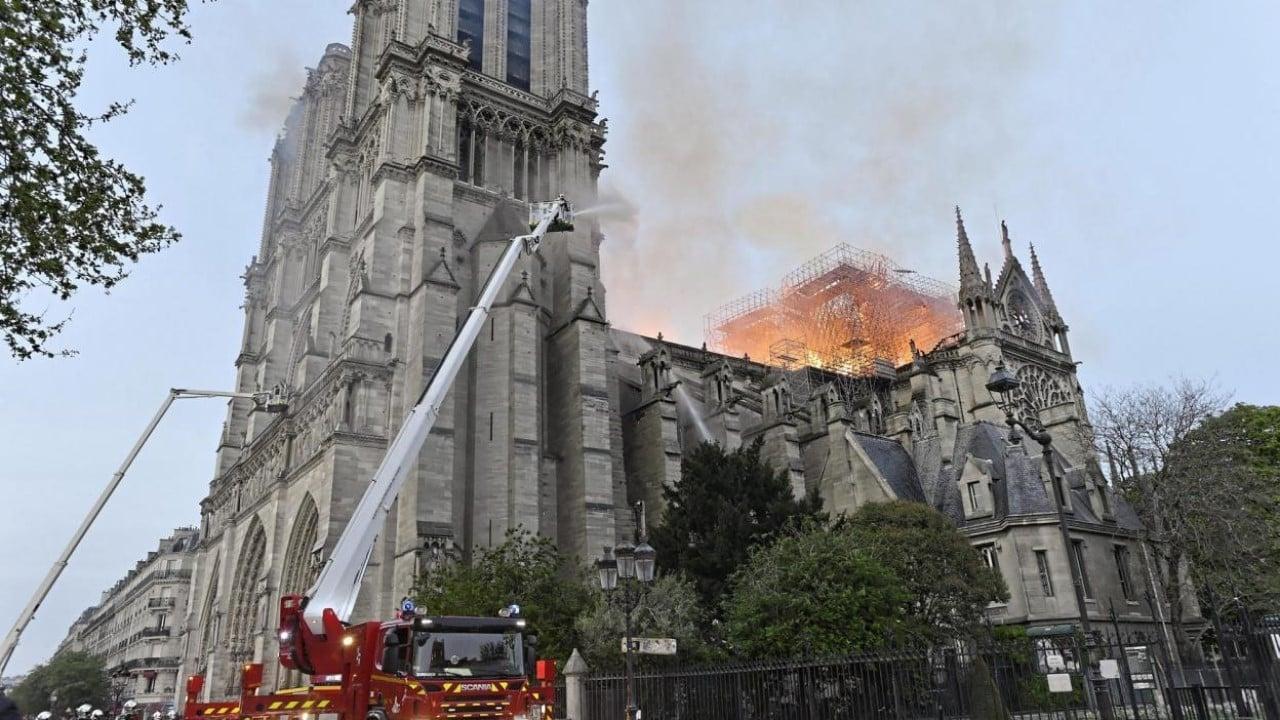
419, 668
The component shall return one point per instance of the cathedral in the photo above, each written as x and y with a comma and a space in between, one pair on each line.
403, 169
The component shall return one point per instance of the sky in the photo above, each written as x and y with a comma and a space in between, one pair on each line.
1136, 144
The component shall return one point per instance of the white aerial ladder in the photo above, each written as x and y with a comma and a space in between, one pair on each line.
338, 582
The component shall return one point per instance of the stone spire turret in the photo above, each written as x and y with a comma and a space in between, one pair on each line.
975, 292
970, 277
1042, 289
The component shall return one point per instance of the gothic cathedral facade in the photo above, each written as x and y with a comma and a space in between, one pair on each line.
401, 174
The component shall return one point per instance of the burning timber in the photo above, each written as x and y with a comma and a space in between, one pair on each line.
841, 311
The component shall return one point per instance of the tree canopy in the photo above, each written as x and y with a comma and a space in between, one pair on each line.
76, 677
669, 608
813, 592
1235, 548
945, 577
526, 570
724, 504
1201, 484
68, 216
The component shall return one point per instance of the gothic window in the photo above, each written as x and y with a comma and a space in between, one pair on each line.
471, 29
518, 170
1077, 551
464, 150
1122, 567
386, 343
1024, 320
534, 191
1038, 391
990, 558
1046, 578
478, 141
519, 47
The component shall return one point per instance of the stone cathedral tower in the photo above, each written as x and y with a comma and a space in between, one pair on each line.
402, 172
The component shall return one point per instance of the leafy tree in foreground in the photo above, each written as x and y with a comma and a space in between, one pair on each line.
724, 505
529, 571
948, 583
670, 609
68, 216
1197, 479
813, 592
1238, 452
76, 677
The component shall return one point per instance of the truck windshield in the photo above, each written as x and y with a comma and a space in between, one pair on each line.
469, 654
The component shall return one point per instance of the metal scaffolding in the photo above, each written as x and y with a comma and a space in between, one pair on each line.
839, 311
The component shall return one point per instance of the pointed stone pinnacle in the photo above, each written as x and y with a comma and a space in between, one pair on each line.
970, 280
1042, 287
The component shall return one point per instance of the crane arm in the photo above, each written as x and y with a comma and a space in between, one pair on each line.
270, 402
338, 582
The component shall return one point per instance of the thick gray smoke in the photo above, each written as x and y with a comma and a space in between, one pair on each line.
274, 88
751, 135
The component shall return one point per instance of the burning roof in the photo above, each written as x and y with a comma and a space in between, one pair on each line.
840, 311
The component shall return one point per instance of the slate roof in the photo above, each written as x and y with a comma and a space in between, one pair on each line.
1020, 489
893, 462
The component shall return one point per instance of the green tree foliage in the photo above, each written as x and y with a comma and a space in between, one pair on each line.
723, 506
529, 571
948, 583
813, 592
1203, 482
68, 216
76, 677
1235, 549
670, 608
1258, 429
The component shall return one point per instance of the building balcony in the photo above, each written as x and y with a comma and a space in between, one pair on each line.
162, 602
151, 632
169, 661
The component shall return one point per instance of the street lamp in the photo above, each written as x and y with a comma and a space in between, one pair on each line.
1002, 384
634, 566
272, 402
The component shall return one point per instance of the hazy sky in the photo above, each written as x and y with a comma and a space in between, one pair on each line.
1136, 144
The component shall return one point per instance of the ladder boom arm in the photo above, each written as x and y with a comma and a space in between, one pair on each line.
338, 583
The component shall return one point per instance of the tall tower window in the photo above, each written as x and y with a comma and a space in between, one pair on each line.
471, 28
519, 45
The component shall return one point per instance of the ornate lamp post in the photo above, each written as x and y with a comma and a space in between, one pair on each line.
634, 566
1001, 385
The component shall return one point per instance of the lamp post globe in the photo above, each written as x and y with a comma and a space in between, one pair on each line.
1002, 382
645, 558
607, 566
626, 554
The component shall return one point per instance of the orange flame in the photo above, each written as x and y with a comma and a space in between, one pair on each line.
842, 320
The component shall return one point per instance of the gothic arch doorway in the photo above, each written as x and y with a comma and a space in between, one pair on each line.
300, 565
243, 619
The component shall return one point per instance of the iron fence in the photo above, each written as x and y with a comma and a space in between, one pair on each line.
1061, 677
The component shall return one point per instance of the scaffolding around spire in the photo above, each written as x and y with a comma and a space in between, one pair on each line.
840, 311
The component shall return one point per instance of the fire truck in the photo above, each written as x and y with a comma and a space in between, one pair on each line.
416, 666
